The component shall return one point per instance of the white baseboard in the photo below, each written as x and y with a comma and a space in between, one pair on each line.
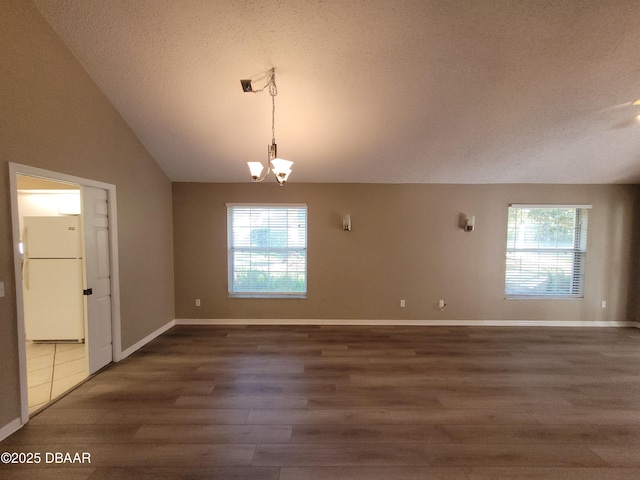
10, 428
424, 323
147, 339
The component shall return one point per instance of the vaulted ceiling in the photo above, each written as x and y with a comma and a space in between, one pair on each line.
376, 91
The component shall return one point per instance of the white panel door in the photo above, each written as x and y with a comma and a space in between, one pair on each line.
97, 277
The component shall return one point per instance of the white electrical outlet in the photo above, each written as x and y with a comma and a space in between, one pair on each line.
197, 302
441, 303
1, 289
402, 303
604, 304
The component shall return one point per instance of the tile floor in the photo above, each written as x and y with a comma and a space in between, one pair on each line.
52, 369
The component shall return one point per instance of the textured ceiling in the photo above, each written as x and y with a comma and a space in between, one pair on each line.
424, 91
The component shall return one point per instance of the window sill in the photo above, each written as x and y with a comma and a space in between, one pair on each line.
269, 295
543, 297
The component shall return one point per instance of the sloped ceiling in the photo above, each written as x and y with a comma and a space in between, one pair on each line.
376, 91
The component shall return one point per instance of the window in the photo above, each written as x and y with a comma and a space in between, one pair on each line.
267, 250
546, 251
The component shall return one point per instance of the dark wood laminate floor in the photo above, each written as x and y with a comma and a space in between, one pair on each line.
318, 403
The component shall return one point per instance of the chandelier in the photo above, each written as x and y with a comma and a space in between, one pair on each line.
281, 168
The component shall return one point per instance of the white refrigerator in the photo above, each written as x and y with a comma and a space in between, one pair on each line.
52, 275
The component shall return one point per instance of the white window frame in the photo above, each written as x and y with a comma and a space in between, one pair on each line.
578, 251
243, 247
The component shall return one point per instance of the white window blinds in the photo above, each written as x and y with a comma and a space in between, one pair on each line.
546, 251
267, 250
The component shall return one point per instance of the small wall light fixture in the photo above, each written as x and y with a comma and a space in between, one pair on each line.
346, 222
470, 224
281, 168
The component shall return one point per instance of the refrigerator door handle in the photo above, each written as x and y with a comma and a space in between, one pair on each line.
25, 272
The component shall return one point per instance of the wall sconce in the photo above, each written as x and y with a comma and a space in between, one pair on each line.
470, 224
346, 222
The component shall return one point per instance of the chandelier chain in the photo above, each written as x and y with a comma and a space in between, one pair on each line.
273, 91
273, 112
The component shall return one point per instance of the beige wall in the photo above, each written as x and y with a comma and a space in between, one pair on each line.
53, 116
406, 243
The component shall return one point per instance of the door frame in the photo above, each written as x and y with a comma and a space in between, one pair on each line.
18, 169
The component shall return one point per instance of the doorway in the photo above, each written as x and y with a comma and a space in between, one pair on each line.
49, 217
57, 355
